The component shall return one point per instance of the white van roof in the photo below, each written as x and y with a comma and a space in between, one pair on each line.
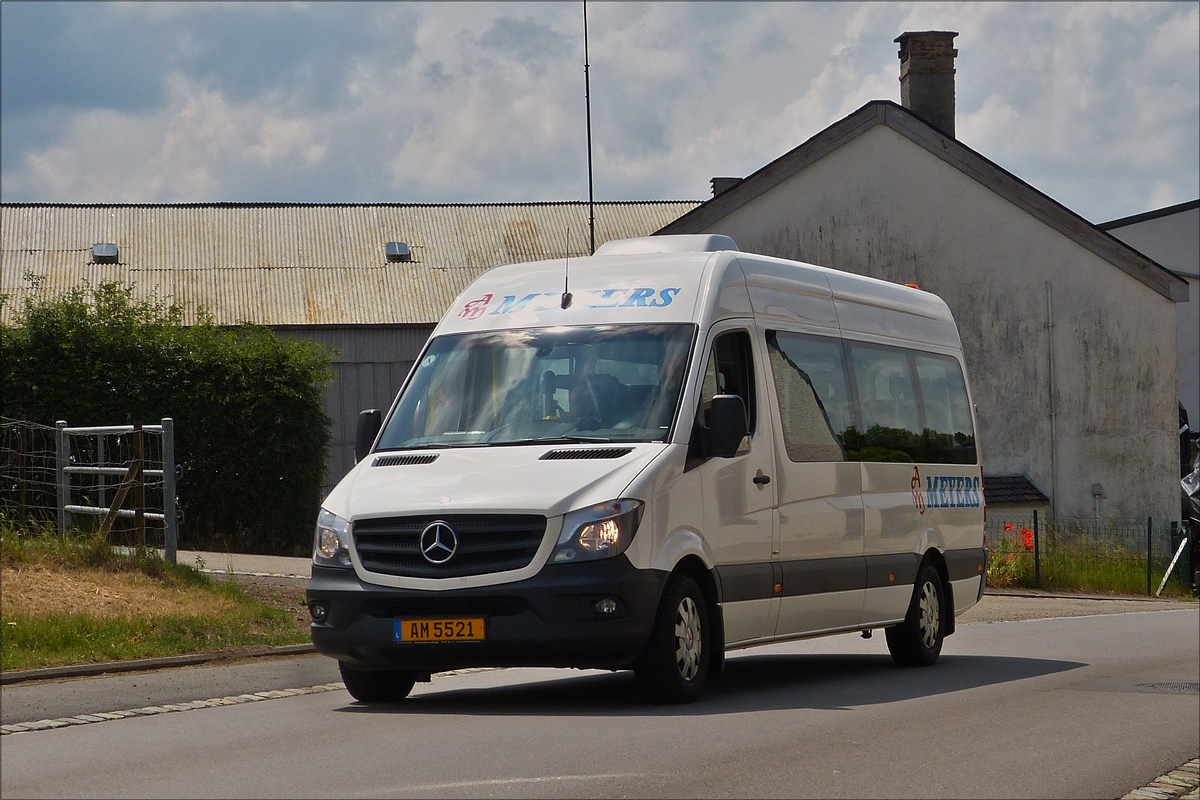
698, 278
679, 243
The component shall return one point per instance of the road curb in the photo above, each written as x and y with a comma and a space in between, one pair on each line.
1183, 782
141, 664
1048, 595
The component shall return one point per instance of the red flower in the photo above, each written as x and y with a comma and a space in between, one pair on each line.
1008, 526
1027, 538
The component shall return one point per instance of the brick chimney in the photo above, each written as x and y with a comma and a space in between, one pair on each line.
927, 76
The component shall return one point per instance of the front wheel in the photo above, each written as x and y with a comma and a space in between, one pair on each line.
674, 667
377, 686
917, 642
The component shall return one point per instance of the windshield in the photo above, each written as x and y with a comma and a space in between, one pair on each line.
591, 384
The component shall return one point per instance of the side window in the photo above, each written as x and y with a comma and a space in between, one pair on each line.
949, 435
730, 370
891, 424
810, 384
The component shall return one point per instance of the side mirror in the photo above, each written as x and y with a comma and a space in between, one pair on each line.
727, 425
369, 422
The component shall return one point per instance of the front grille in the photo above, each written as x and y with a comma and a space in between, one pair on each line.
446, 607
486, 543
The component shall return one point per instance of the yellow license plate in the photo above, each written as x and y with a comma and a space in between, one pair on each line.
440, 630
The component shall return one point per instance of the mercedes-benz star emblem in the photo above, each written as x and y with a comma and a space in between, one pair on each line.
439, 542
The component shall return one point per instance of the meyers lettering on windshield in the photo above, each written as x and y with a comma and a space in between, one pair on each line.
640, 297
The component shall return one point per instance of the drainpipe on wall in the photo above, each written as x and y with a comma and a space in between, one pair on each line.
1050, 364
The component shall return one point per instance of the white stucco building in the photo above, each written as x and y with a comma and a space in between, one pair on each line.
1171, 236
1070, 335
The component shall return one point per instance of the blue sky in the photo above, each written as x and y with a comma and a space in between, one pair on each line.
1096, 104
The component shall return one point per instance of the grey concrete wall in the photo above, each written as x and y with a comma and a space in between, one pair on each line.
882, 206
370, 364
1174, 242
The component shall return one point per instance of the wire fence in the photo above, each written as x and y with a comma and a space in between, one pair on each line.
117, 480
1129, 556
28, 472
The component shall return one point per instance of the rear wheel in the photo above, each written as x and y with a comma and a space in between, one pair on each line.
377, 686
917, 642
674, 667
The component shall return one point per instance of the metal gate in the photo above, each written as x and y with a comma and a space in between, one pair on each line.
119, 472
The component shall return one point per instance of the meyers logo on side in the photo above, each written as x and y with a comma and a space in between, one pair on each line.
640, 297
945, 491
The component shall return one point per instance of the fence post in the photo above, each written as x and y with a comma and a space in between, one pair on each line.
1037, 553
139, 487
60, 465
22, 445
101, 480
1149, 554
168, 462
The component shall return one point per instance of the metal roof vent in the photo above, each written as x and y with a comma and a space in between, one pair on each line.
104, 253
722, 185
397, 251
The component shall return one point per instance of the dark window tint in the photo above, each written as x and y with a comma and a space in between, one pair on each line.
948, 433
891, 423
730, 370
925, 420
810, 385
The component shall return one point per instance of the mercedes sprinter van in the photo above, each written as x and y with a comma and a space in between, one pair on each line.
650, 456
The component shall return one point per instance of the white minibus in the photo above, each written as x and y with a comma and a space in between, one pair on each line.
647, 457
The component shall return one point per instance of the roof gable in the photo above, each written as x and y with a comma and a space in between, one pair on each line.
1002, 182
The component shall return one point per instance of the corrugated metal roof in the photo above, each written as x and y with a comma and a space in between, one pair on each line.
299, 264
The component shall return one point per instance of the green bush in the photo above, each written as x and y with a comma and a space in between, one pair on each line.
250, 431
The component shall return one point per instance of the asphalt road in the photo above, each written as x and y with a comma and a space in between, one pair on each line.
1069, 707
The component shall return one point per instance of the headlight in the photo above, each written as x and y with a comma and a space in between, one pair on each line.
331, 544
601, 531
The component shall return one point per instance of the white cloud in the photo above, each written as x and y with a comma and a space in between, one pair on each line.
1096, 104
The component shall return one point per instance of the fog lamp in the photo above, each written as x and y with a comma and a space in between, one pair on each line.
319, 612
606, 606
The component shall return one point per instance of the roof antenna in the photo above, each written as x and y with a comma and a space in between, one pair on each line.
566, 298
587, 98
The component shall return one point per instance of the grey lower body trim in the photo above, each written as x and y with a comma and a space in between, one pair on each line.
739, 582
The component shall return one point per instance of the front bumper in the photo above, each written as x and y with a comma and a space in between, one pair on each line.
548, 620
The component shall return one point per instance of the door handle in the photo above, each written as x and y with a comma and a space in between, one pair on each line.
762, 480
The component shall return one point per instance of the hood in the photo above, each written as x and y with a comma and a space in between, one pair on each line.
510, 479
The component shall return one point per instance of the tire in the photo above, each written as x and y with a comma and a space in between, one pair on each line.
377, 686
674, 667
917, 642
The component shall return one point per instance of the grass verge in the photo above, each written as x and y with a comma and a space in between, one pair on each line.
1078, 566
72, 601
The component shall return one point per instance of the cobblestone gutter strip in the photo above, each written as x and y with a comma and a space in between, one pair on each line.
141, 664
233, 700
1178, 784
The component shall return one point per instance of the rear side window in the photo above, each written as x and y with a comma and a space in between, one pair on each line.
814, 404
949, 434
913, 408
887, 400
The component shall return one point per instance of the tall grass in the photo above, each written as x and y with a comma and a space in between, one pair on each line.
1083, 555
33, 638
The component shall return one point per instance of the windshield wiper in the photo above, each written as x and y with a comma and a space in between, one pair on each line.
429, 446
566, 438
